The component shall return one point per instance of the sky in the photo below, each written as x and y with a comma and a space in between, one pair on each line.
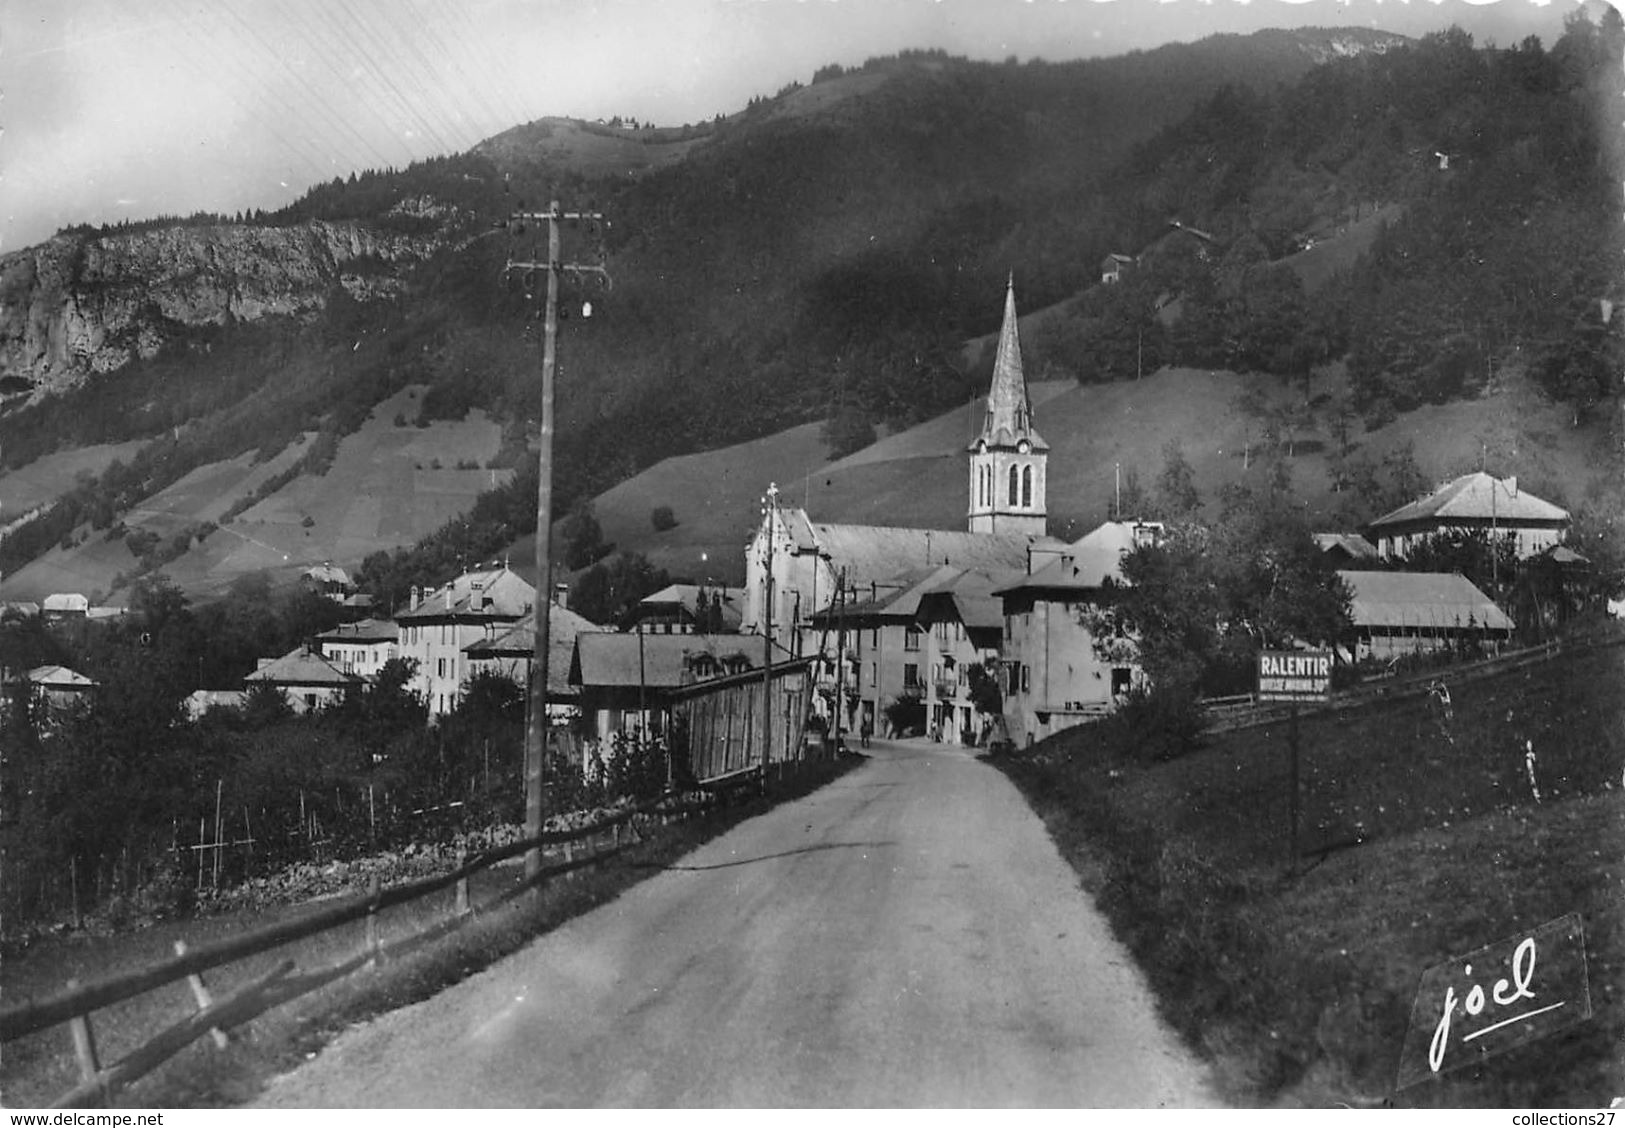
127, 109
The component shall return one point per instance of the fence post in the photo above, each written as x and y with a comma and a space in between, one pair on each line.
460, 904
569, 856
372, 923
84, 1046
200, 993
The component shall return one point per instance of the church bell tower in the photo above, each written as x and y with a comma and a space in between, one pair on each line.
1007, 460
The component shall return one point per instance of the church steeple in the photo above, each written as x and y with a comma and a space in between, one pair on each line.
1007, 461
1009, 415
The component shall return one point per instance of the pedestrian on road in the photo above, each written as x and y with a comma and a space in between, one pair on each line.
864, 729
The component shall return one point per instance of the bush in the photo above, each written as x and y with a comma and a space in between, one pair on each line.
1158, 724
662, 518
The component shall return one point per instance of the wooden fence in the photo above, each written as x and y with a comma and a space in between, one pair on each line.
76, 1004
724, 721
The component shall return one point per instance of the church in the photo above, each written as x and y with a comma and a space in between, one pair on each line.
831, 591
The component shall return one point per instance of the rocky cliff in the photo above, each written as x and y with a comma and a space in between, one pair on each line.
85, 303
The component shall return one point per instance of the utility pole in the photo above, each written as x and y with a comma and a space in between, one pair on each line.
536, 724
770, 508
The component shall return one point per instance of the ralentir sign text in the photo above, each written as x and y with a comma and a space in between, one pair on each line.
1294, 675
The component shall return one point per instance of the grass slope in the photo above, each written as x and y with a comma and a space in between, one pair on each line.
918, 477
388, 486
1300, 988
48, 478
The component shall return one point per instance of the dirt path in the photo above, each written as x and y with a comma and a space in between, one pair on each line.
907, 935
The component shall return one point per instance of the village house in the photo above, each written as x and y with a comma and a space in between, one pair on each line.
359, 648
328, 581
1473, 503
1054, 678
1113, 266
687, 609
58, 686
60, 606
630, 682
305, 678
825, 574
510, 652
1397, 613
199, 702
437, 627
912, 640
1343, 550
963, 623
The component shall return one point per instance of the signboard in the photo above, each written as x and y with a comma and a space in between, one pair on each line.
1496, 998
1294, 675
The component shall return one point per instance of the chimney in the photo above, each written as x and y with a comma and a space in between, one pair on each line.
561, 594
417, 596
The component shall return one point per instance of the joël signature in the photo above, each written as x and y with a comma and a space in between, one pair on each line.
1501, 996
1523, 973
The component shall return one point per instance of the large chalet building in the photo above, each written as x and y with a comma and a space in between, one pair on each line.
1472, 503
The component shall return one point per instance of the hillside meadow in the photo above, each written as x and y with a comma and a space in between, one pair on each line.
1423, 840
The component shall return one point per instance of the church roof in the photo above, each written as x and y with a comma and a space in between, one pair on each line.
872, 553
1009, 414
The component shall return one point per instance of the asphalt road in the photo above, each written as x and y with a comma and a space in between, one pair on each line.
905, 936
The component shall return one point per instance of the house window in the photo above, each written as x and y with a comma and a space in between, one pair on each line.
911, 675
1026, 678
874, 638
874, 673
440, 668
911, 637
1026, 487
310, 701
1015, 482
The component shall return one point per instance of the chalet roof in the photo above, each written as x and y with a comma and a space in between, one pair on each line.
1352, 544
658, 660
65, 602
497, 593
58, 677
686, 597
519, 642
1122, 260
1088, 563
325, 573
970, 593
872, 553
1475, 497
1420, 599
300, 667
363, 631
1009, 417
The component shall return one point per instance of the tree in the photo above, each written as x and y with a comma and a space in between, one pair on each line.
1177, 496
608, 589
848, 430
583, 538
1197, 607
662, 518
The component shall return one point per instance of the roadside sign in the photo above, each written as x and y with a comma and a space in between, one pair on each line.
1294, 675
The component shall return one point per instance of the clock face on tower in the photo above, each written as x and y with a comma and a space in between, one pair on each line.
1024, 446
